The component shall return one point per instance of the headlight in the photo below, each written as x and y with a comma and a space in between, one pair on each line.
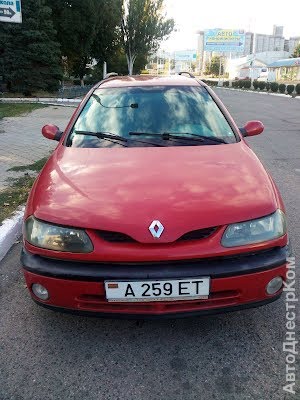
255, 231
52, 237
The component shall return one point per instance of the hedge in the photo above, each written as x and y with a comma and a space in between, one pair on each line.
262, 85
290, 89
274, 87
282, 88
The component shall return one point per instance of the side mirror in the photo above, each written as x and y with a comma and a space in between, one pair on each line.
252, 128
52, 132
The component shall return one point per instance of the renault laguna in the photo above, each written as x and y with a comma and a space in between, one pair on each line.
153, 205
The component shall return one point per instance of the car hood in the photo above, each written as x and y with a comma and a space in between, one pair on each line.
124, 190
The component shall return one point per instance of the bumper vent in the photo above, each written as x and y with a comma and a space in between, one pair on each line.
118, 237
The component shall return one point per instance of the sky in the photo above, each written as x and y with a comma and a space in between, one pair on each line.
254, 15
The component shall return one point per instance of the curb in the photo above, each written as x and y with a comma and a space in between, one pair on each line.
10, 231
42, 100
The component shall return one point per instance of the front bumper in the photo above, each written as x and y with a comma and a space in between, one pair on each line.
236, 283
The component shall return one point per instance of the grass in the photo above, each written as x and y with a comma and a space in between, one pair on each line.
14, 195
14, 110
17, 192
37, 166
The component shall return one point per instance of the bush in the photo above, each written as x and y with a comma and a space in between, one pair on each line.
274, 87
241, 83
235, 84
262, 85
298, 88
247, 84
290, 89
226, 83
255, 85
282, 88
268, 86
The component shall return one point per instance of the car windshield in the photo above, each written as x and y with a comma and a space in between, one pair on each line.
149, 116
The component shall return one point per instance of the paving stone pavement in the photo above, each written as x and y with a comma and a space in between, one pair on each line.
21, 140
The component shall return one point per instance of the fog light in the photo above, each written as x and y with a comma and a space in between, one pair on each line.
274, 285
40, 291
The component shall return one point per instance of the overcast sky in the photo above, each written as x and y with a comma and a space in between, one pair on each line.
253, 15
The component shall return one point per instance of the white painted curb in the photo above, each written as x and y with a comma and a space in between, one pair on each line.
10, 231
41, 100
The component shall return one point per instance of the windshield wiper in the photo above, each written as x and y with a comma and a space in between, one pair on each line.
110, 137
102, 135
180, 135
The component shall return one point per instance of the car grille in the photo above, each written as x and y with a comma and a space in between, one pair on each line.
115, 237
118, 237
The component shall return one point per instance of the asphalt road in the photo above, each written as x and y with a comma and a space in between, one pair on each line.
236, 356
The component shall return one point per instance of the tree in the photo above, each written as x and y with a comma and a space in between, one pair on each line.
107, 41
31, 56
297, 51
143, 27
116, 62
76, 24
86, 30
213, 67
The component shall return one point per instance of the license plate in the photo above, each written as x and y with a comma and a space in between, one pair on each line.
170, 290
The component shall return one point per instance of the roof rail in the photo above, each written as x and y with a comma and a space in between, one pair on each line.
187, 73
110, 75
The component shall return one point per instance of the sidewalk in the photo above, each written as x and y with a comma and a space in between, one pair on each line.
21, 140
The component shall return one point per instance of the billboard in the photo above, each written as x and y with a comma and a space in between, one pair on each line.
10, 11
224, 40
188, 55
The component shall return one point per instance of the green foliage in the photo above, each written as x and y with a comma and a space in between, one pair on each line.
290, 89
255, 84
247, 84
274, 87
29, 51
226, 83
297, 51
213, 67
282, 88
107, 41
84, 30
268, 86
14, 110
210, 82
298, 88
235, 84
262, 85
14, 195
36, 166
143, 27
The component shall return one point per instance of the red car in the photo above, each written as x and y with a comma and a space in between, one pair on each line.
153, 205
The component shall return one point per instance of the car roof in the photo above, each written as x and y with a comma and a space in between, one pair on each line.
149, 80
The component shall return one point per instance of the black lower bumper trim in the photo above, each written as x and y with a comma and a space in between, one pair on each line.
216, 268
160, 316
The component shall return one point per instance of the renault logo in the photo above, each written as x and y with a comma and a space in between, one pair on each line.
156, 229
